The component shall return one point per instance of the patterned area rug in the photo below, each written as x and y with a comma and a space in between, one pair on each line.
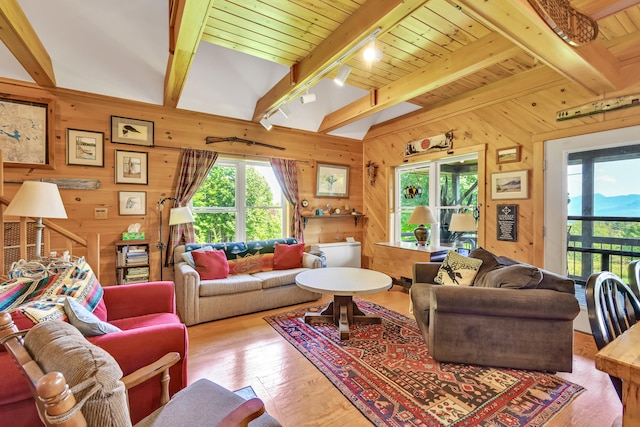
386, 371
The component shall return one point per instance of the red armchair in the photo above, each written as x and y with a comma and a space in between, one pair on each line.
146, 313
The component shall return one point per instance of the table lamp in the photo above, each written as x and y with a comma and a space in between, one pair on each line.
461, 223
179, 215
421, 215
36, 199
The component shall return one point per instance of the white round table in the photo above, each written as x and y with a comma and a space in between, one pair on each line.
343, 283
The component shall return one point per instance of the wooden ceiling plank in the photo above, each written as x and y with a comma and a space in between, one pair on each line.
598, 9
461, 20
535, 80
189, 19
234, 43
21, 39
385, 14
489, 50
590, 65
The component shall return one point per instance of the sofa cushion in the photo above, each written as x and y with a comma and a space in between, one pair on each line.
246, 264
457, 269
211, 264
231, 249
286, 257
517, 276
489, 260
277, 278
188, 256
86, 322
233, 284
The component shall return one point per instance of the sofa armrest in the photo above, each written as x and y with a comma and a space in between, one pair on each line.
499, 302
187, 292
138, 299
311, 261
425, 272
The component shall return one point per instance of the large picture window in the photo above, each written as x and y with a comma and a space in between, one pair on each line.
239, 201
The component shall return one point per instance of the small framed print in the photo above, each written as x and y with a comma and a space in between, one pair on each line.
131, 131
85, 148
508, 155
131, 167
332, 180
510, 185
132, 202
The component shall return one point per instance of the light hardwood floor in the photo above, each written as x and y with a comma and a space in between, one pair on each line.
245, 350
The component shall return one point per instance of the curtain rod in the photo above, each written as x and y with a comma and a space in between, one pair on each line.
228, 153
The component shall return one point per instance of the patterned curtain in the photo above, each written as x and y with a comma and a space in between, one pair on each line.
287, 175
194, 169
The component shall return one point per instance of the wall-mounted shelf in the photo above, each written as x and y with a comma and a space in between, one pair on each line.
356, 217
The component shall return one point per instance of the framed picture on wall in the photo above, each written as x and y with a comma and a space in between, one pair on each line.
508, 155
132, 202
510, 185
332, 180
85, 148
131, 131
131, 167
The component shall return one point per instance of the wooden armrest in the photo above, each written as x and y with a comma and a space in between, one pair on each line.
243, 414
160, 366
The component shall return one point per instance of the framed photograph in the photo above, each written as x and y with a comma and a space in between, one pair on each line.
510, 185
85, 148
332, 180
132, 202
27, 136
508, 155
131, 167
131, 131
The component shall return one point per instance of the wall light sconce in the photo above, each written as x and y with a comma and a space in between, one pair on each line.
266, 123
343, 73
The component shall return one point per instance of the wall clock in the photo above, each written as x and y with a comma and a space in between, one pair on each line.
304, 203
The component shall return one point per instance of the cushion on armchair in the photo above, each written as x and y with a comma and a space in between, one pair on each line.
457, 269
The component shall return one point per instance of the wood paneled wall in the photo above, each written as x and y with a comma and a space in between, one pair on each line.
174, 129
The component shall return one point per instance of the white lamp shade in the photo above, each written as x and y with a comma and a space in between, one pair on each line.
37, 200
462, 222
180, 215
421, 215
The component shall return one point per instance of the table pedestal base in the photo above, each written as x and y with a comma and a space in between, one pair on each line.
343, 312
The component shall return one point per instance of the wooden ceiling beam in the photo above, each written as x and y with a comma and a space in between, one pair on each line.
384, 14
489, 50
598, 9
21, 39
591, 66
521, 84
187, 20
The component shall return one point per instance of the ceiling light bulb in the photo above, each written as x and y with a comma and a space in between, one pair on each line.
266, 123
371, 54
343, 73
307, 98
284, 109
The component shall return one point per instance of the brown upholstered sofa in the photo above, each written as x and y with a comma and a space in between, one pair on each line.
513, 315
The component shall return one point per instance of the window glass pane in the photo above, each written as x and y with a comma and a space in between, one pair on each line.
218, 190
262, 187
458, 187
215, 227
264, 223
414, 191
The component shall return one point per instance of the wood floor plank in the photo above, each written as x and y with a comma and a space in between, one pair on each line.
245, 350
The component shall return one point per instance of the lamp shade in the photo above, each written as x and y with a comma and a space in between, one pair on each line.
180, 215
462, 222
421, 215
37, 200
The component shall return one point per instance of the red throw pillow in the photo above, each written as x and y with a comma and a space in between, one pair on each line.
211, 264
287, 256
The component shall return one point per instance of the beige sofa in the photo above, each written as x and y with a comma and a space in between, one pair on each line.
201, 301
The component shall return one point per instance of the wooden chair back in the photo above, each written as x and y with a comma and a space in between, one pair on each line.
634, 277
612, 308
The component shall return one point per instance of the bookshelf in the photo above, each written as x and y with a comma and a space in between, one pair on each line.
132, 261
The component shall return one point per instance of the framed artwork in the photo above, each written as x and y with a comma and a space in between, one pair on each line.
131, 167
131, 131
85, 148
507, 223
510, 185
26, 136
332, 180
508, 155
132, 202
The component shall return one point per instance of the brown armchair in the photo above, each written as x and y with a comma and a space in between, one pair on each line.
54, 352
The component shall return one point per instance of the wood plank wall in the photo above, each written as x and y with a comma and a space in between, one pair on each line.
174, 129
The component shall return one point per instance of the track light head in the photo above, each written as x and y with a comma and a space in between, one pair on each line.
266, 123
371, 53
343, 73
308, 98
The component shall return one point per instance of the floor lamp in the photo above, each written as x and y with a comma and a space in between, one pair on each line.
36, 199
179, 215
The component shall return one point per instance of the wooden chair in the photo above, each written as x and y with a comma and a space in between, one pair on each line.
613, 308
634, 277
62, 404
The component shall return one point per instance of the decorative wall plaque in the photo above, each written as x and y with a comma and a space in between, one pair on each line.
507, 223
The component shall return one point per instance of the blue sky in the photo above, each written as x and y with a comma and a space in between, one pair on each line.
612, 178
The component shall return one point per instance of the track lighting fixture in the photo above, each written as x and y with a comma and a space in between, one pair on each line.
266, 123
308, 97
371, 54
343, 72
284, 110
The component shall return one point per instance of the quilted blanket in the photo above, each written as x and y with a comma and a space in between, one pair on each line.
43, 299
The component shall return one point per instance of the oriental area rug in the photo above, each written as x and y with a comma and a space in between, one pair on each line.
386, 371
